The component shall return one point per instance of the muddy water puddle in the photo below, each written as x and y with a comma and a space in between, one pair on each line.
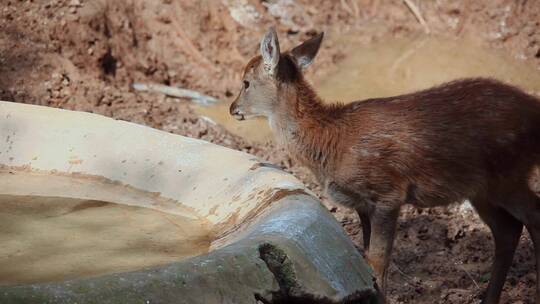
51, 239
395, 66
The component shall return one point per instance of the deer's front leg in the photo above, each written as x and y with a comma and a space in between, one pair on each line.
383, 227
363, 207
366, 226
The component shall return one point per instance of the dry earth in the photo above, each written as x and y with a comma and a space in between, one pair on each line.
85, 54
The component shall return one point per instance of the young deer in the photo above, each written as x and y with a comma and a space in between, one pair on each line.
475, 139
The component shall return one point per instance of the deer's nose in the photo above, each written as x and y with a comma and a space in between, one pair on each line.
236, 112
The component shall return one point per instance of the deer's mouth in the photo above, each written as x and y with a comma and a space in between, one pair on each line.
236, 112
239, 116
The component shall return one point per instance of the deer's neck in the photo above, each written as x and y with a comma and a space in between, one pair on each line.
308, 129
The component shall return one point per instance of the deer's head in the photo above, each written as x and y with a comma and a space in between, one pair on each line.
269, 74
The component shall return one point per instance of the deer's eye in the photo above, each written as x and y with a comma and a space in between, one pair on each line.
246, 84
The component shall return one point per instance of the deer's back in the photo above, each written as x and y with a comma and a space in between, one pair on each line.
444, 144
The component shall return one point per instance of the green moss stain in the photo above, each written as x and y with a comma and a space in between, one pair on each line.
281, 266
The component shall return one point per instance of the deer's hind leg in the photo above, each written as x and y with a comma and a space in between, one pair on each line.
506, 230
528, 205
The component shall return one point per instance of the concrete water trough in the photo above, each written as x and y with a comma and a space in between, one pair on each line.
95, 210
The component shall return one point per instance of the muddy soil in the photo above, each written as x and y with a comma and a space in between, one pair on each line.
86, 54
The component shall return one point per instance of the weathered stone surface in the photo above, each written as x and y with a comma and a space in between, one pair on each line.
273, 242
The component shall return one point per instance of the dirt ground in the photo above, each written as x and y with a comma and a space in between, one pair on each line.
85, 54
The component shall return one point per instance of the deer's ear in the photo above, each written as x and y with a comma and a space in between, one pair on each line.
270, 51
306, 52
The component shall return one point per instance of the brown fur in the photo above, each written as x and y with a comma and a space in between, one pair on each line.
476, 139
448, 143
